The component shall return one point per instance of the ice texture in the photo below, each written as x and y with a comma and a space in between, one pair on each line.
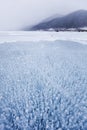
43, 86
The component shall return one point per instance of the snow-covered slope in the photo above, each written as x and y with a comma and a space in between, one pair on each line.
43, 85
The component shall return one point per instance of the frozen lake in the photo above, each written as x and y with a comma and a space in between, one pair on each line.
16, 36
43, 81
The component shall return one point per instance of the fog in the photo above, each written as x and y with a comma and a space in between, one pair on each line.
17, 14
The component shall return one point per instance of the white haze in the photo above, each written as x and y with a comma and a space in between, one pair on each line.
17, 14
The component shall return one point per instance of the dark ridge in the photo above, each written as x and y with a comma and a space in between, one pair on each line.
75, 20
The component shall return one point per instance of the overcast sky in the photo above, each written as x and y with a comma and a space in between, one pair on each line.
15, 14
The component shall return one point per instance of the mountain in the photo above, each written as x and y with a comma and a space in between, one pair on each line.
74, 20
53, 17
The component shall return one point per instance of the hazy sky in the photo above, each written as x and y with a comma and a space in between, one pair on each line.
15, 14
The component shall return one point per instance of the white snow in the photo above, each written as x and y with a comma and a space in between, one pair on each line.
17, 36
43, 84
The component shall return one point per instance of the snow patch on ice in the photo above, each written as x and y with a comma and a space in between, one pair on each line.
20, 36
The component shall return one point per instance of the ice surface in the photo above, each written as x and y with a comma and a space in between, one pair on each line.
16, 36
43, 85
